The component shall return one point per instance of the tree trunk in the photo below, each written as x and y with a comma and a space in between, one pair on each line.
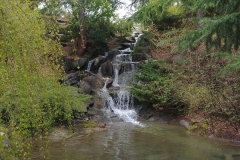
81, 41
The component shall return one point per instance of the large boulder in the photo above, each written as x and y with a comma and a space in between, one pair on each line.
84, 87
107, 69
97, 101
137, 57
112, 53
72, 78
71, 64
68, 64
80, 62
96, 82
97, 62
126, 45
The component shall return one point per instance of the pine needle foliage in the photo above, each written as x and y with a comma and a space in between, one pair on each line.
31, 98
156, 86
220, 30
161, 13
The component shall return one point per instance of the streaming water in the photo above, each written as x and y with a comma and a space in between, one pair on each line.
90, 65
122, 103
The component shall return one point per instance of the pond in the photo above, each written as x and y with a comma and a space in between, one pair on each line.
125, 141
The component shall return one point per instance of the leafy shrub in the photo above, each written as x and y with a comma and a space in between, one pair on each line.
31, 98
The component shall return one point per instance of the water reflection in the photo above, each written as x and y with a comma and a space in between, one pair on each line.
125, 141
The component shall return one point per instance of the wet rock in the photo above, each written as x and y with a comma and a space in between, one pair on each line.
126, 45
112, 53
184, 123
71, 64
97, 101
79, 63
107, 69
68, 64
97, 62
153, 118
96, 82
72, 78
84, 87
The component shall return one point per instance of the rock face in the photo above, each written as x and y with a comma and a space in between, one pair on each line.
71, 64
84, 87
112, 53
97, 62
96, 82
73, 78
107, 69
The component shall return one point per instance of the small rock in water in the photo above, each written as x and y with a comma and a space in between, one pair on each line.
184, 123
102, 125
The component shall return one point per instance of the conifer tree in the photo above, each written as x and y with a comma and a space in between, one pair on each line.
220, 26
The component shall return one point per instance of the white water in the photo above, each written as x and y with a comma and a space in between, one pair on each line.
105, 84
90, 65
116, 72
125, 50
100, 70
122, 103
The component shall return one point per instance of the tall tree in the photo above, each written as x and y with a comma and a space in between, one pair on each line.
88, 18
219, 29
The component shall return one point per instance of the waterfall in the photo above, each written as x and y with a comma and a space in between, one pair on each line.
90, 65
121, 102
105, 84
100, 70
125, 50
122, 105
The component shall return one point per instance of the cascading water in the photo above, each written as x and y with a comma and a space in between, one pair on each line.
90, 65
122, 103
125, 50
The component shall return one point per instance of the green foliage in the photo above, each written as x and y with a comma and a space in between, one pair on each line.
90, 124
219, 30
97, 19
199, 128
156, 86
161, 13
206, 78
31, 98
123, 27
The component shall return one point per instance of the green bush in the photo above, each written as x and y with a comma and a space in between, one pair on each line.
31, 97
156, 86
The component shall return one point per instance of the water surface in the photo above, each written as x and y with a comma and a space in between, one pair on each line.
125, 141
